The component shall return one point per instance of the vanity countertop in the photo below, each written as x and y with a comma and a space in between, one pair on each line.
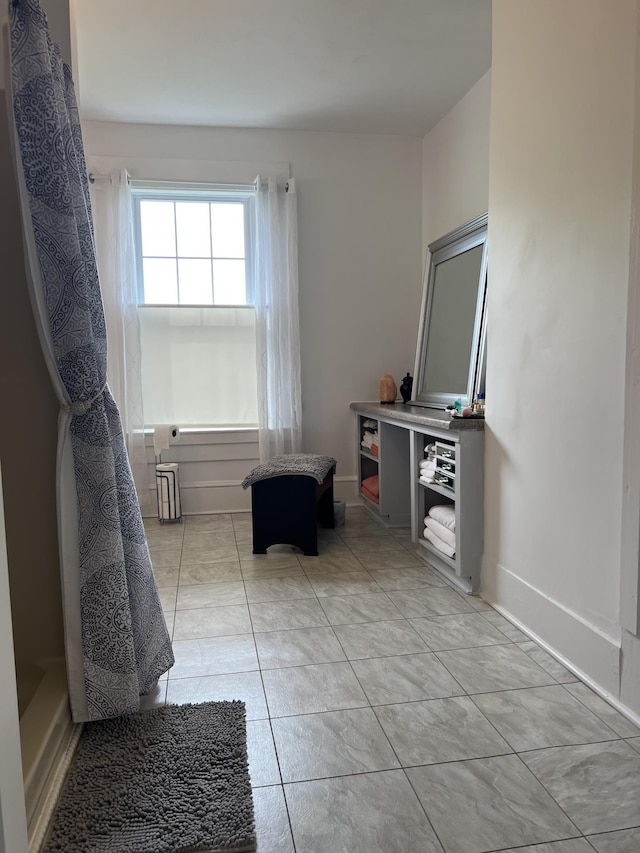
418, 415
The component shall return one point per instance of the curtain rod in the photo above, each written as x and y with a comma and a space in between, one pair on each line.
189, 186
95, 178
192, 186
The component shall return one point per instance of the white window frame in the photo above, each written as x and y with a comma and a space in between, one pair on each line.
213, 193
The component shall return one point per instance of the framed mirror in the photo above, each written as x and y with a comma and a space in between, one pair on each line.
451, 336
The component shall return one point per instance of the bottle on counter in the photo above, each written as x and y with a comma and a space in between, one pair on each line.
478, 405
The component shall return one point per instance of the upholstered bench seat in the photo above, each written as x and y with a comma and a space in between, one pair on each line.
290, 494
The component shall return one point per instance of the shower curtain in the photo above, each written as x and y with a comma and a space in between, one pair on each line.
116, 639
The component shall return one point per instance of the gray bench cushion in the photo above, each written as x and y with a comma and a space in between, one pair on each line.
309, 464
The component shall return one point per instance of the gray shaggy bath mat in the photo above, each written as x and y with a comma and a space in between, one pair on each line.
171, 780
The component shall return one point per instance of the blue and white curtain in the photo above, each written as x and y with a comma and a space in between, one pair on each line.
117, 644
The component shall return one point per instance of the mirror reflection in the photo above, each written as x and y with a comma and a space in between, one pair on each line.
453, 314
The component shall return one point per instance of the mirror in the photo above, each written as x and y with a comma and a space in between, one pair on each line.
451, 337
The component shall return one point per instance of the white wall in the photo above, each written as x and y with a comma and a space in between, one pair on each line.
455, 165
359, 203
562, 119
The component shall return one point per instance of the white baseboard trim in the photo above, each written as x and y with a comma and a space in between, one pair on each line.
590, 653
48, 739
220, 496
39, 830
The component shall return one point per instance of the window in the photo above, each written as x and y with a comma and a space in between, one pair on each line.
194, 253
194, 247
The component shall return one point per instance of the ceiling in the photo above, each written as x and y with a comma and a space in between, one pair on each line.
350, 66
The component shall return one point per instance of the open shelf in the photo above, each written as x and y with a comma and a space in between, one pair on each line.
441, 490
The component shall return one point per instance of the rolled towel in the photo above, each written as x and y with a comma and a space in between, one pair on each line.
426, 479
438, 543
430, 448
441, 531
445, 514
429, 464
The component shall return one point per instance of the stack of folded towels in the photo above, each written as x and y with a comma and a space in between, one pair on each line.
370, 489
428, 465
370, 438
440, 529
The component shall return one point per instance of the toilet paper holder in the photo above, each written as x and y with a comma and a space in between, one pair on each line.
168, 492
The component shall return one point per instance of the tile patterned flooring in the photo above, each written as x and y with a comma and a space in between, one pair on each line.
388, 713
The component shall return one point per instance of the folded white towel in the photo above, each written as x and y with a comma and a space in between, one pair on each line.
441, 531
438, 543
445, 514
427, 465
427, 479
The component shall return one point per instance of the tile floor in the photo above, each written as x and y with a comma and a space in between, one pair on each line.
388, 713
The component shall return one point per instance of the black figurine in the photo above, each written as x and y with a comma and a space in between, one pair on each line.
406, 387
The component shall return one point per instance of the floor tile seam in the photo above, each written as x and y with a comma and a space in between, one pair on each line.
444, 698
442, 663
614, 734
553, 660
399, 618
204, 583
297, 628
584, 704
538, 749
464, 648
370, 705
212, 606
211, 636
483, 614
450, 761
211, 674
472, 693
296, 665
548, 792
343, 775
590, 835
426, 814
428, 649
417, 701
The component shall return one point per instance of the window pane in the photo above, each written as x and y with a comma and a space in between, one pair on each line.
186, 375
229, 283
227, 230
195, 282
157, 224
160, 280
194, 235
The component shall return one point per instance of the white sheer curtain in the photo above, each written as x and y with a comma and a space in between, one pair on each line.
277, 318
115, 255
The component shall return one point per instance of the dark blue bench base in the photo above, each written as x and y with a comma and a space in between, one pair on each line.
286, 511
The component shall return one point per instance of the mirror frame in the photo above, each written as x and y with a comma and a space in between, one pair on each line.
467, 236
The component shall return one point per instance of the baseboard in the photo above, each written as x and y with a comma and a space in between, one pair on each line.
585, 649
48, 740
220, 496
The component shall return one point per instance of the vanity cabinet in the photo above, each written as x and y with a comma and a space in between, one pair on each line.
405, 432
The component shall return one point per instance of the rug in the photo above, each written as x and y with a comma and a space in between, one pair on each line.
170, 780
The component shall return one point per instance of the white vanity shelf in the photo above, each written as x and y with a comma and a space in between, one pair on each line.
404, 431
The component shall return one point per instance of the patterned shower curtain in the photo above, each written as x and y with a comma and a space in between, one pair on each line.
116, 639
